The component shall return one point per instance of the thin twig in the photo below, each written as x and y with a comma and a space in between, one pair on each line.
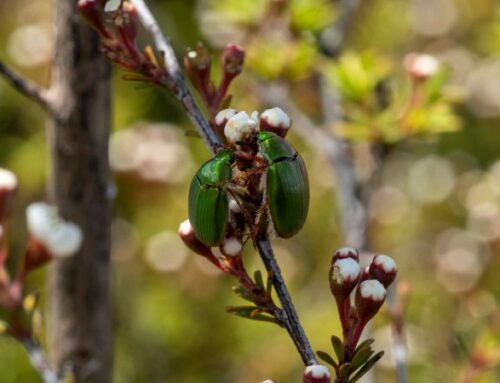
27, 87
40, 363
334, 36
182, 92
173, 68
396, 313
292, 322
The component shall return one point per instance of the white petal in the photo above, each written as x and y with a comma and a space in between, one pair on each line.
65, 240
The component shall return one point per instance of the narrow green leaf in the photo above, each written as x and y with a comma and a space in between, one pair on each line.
252, 312
243, 293
360, 358
367, 366
366, 343
324, 356
258, 280
338, 347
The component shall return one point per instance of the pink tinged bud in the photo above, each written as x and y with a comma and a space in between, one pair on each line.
383, 269
346, 252
186, 232
58, 237
316, 373
275, 120
369, 298
269, 381
420, 66
239, 128
131, 20
233, 57
8, 188
93, 12
344, 276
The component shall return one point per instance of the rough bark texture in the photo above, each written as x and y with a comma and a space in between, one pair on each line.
80, 320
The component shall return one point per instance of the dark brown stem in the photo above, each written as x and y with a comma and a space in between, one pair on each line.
80, 325
290, 317
27, 87
292, 323
179, 85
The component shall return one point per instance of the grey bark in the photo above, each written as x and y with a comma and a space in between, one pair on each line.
80, 321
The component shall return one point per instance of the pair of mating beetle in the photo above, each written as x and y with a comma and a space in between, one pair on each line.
286, 192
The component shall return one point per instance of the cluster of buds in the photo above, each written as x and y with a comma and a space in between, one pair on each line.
239, 126
50, 237
369, 289
230, 261
198, 66
118, 30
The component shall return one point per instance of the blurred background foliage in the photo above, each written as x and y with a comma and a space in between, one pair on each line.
435, 202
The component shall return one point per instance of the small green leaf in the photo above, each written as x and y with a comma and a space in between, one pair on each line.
366, 343
327, 358
251, 312
338, 348
243, 293
367, 366
360, 358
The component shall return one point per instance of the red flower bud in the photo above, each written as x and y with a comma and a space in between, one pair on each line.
316, 374
383, 269
186, 232
93, 12
346, 252
8, 188
233, 57
275, 120
370, 296
344, 276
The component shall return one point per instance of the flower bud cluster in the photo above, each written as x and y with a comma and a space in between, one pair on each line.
369, 286
50, 237
239, 127
198, 66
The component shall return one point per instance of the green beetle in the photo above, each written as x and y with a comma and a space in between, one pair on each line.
287, 184
208, 202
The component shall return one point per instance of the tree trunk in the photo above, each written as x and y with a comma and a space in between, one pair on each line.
79, 318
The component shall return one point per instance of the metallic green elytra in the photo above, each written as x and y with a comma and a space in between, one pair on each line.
287, 184
208, 202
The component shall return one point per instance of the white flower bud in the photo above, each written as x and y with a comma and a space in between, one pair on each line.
386, 263
8, 180
239, 128
60, 238
383, 269
373, 290
316, 373
232, 246
346, 270
223, 116
421, 66
275, 120
277, 117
